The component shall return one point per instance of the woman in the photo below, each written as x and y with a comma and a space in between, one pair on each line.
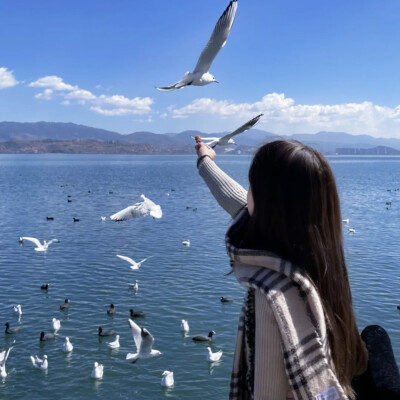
297, 334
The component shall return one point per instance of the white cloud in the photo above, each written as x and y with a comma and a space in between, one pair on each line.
7, 78
47, 94
52, 82
282, 115
115, 105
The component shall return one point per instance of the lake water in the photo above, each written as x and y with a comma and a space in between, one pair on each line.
177, 283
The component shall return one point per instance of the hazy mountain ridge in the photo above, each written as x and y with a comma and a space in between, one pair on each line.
326, 142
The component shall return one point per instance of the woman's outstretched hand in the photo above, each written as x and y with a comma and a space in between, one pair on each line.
204, 150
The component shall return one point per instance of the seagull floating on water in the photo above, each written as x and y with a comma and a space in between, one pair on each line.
134, 286
186, 243
3, 358
184, 326
67, 346
115, 344
39, 246
38, 363
97, 372
134, 265
56, 323
200, 75
144, 343
213, 356
352, 230
18, 310
346, 221
227, 139
141, 209
167, 379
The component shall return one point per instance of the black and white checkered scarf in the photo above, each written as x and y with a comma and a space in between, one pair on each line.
305, 350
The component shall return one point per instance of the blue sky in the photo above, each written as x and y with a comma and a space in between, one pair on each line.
308, 65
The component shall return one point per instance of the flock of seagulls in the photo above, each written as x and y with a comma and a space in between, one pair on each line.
142, 337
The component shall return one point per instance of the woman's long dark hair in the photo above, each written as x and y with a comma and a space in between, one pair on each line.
297, 216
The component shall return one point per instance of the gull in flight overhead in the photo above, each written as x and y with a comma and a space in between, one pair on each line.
39, 246
200, 76
3, 358
141, 209
227, 139
134, 265
144, 343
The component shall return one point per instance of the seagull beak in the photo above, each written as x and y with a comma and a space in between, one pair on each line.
216, 81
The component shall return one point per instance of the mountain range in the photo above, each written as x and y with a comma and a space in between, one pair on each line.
18, 134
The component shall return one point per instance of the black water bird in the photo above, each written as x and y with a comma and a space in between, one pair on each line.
65, 305
11, 329
136, 314
111, 310
45, 286
202, 338
44, 337
108, 332
225, 299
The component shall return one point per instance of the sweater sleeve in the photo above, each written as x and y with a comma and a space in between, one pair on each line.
229, 194
270, 380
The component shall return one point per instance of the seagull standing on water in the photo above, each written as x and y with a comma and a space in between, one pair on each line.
227, 139
134, 265
141, 209
200, 76
144, 343
184, 326
39, 246
56, 323
115, 344
3, 358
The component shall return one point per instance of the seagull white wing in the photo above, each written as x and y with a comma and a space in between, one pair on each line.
4, 355
134, 211
136, 334
33, 240
217, 39
147, 342
52, 241
127, 259
211, 141
153, 209
142, 261
248, 125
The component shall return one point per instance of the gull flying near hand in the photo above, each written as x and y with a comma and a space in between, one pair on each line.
227, 139
134, 265
141, 209
39, 246
3, 358
200, 76
144, 343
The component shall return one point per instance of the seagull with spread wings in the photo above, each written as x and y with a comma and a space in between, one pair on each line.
140, 209
144, 343
200, 76
227, 139
3, 358
134, 265
39, 246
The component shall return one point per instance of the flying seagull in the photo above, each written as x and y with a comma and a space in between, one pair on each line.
200, 76
144, 343
3, 358
227, 139
39, 246
141, 209
134, 265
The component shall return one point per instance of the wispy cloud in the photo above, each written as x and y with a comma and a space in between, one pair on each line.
114, 105
7, 78
282, 114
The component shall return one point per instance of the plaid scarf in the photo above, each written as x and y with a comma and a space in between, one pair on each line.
304, 344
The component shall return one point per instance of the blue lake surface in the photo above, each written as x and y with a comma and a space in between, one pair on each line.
177, 283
